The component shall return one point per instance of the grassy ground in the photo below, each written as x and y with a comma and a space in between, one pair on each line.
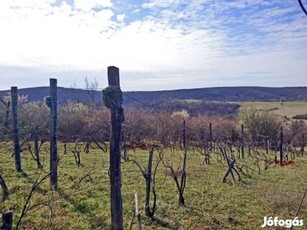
288, 109
210, 204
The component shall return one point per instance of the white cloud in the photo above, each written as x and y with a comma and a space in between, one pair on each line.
77, 42
162, 3
120, 17
195, 42
88, 5
52, 36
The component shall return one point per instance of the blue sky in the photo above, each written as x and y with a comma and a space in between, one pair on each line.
157, 44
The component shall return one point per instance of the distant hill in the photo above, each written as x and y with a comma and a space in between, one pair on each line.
222, 94
38, 93
239, 94
210, 101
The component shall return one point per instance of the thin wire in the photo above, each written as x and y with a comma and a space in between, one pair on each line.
136, 100
302, 7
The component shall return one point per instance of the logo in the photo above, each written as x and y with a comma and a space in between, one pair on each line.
276, 222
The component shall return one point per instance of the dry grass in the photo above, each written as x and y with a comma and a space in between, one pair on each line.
210, 204
288, 109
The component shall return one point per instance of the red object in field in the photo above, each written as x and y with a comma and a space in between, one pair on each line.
284, 163
136, 145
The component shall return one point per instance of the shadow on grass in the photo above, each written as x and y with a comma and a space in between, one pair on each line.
215, 223
96, 222
164, 224
31, 181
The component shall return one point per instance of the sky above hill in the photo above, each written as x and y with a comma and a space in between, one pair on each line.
157, 44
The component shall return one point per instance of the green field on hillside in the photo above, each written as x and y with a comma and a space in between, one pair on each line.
82, 201
288, 109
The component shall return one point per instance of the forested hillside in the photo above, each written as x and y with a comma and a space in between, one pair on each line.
208, 94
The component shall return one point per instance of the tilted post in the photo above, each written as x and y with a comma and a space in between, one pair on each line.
14, 96
53, 135
210, 136
242, 140
36, 148
4, 188
112, 97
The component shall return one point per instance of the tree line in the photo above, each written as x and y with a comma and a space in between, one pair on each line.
84, 121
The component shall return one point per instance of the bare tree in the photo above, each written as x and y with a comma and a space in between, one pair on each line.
91, 88
150, 179
26, 207
37, 148
179, 175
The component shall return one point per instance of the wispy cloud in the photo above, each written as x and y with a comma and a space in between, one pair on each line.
196, 42
89, 5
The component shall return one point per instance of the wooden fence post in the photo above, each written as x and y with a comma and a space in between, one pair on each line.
242, 140
210, 136
7, 220
4, 188
302, 149
36, 148
137, 212
124, 144
112, 97
281, 147
14, 97
53, 135
148, 184
183, 176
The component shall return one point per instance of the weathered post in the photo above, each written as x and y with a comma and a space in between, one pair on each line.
302, 149
267, 146
137, 212
148, 184
7, 220
4, 188
36, 148
112, 96
242, 140
124, 144
183, 176
53, 135
6, 123
280, 147
210, 136
14, 95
